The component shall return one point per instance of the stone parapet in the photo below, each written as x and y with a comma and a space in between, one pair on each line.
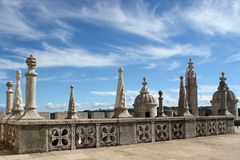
51, 135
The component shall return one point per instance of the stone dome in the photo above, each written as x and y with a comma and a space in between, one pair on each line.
222, 85
144, 97
230, 96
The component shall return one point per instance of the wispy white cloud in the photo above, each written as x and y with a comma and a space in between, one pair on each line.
233, 58
151, 52
173, 65
13, 22
103, 93
50, 56
214, 17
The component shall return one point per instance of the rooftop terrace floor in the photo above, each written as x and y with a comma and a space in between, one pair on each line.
207, 148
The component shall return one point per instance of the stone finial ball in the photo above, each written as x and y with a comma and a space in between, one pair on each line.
31, 61
160, 93
9, 84
120, 69
181, 77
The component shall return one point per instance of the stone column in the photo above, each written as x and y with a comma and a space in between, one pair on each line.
72, 114
9, 99
30, 110
17, 109
161, 109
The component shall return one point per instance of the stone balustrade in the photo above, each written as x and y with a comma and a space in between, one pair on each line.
30, 136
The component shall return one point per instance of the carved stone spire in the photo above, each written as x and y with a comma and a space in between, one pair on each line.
30, 109
72, 113
181, 100
120, 109
17, 110
183, 109
9, 99
161, 108
191, 88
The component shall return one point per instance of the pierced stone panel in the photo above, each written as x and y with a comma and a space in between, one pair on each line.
144, 133
85, 136
161, 132
59, 138
201, 128
211, 128
178, 130
11, 136
222, 127
108, 135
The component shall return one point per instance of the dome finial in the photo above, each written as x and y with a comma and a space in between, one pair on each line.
144, 83
144, 89
222, 78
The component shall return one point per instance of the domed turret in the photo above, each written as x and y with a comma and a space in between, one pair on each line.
145, 104
231, 99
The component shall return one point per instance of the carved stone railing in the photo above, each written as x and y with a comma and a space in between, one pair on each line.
53, 135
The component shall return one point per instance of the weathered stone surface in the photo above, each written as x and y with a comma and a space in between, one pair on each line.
127, 134
50, 135
212, 147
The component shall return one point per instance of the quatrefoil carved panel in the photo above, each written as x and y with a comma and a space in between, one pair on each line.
86, 136
59, 138
221, 127
212, 128
161, 131
178, 130
201, 128
144, 133
109, 135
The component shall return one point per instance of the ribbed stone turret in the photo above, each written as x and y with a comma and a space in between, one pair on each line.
224, 100
120, 109
145, 104
17, 109
72, 113
30, 109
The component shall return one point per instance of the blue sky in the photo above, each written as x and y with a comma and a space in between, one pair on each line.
82, 43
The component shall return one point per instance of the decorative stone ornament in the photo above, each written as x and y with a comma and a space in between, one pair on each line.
161, 108
17, 109
9, 99
145, 104
224, 101
183, 109
72, 113
120, 109
30, 109
191, 89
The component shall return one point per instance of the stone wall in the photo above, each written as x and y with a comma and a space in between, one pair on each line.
53, 135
